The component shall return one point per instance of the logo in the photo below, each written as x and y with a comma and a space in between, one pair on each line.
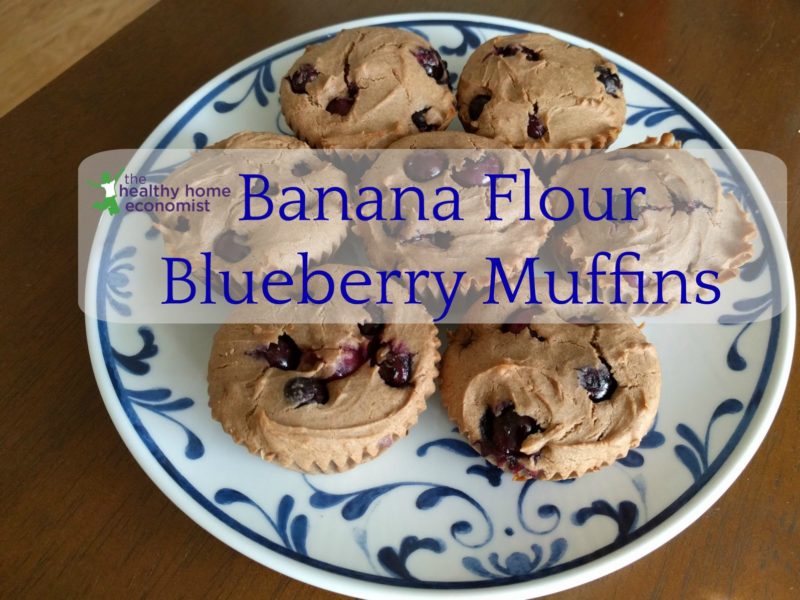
109, 185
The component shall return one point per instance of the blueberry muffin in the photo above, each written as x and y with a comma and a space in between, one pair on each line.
365, 88
258, 246
685, 222
459, 160
551, 399
318, 394
531, 90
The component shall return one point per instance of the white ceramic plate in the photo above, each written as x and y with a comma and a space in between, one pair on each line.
429, 516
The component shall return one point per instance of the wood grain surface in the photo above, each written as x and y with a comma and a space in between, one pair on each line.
40, 39
79, 518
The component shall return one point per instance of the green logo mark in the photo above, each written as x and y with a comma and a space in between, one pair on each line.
109, 185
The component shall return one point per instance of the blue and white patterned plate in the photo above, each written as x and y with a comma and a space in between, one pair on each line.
429, 515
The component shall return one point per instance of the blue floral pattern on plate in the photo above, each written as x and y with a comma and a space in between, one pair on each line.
430, 513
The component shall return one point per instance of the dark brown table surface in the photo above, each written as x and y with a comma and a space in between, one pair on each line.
78, 517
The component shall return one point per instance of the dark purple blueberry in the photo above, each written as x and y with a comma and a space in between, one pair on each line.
375, 325
475, 172
374, 345
506, 50
424, 165
301, 169
599, 382
502, 434
230, 246
610, 80
679, 203
300, 391
182, 226
283, 354
370, 329
418, 118
513, 50
395, 368
476, 106
514, 328
340, 106
302, 77
530, 54
434, 66
350, 359
536, 129
440, 239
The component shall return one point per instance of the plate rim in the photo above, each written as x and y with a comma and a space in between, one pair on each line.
682, 517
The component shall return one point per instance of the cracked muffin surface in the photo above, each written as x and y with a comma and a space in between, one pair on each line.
365, 88
239, 246
686, 224
327, 391
531, 90
549, 400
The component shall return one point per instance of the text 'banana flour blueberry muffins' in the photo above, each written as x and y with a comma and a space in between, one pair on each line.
531, 90
320, 395
552, 399
365, 88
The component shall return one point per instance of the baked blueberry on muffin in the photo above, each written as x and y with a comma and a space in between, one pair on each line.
365, 88
551, 400
324, 396
531, 90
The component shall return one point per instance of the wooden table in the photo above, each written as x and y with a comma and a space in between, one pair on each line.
80, 518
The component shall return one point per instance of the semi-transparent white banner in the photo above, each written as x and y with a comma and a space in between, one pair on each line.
479, 235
